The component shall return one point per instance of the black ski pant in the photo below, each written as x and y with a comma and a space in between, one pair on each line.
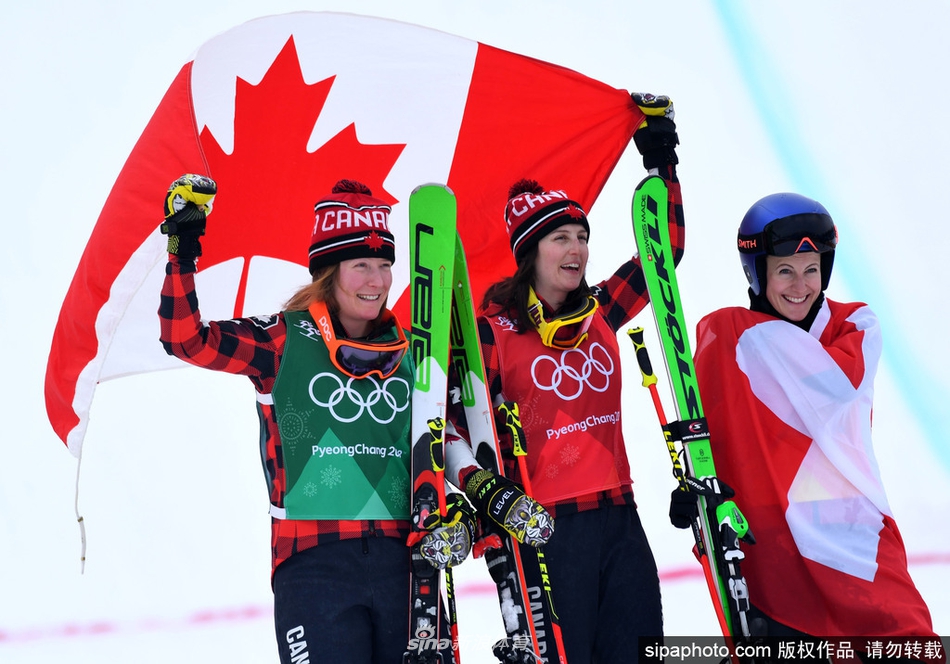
345, 601
605, 584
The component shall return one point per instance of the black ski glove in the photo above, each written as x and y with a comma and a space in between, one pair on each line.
187, 205
656, 138
684, 508
506, 504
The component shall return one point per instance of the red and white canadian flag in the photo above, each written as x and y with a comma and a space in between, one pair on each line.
276, 111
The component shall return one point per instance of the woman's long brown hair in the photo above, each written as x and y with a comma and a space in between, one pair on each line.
318, 290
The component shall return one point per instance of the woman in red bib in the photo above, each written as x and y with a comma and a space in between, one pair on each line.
549, 344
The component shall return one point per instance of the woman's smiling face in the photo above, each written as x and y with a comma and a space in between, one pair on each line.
793, 283
561, 262
361, 290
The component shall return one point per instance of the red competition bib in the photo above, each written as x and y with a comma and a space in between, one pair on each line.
570, 409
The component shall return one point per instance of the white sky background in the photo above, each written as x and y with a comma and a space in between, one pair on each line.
842, 101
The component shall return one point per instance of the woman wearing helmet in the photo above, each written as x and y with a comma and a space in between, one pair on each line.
788, 389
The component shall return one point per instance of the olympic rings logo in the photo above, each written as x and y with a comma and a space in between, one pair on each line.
381, 397
594, 371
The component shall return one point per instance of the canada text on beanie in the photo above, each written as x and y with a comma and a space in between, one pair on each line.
532, 213
350, 223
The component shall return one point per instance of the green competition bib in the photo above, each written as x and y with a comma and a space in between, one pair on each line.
345, 441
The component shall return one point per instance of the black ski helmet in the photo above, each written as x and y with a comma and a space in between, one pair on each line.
782, 225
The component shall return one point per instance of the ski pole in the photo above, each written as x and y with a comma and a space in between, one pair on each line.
520, 445
437, 427
513, 421
649, 381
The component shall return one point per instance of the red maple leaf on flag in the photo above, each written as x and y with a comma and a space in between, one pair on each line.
272, 181
478, 119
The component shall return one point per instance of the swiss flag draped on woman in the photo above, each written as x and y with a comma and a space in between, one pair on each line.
789, 415
300, 100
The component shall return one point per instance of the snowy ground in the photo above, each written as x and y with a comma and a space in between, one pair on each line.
841, 101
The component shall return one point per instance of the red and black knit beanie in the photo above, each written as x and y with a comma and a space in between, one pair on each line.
350, 223
532, 213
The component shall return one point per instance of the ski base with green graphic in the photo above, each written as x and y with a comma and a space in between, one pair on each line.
531, 623
720, 525
444, 341
432, 215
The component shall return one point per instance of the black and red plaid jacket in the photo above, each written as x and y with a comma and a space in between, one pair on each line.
251, 347
621, 297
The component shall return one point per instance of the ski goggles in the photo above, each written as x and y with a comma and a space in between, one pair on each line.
359, 359
792, 234
566, 330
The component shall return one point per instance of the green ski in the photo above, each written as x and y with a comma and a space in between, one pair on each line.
432, 213
720, 525
532, 629
444, 339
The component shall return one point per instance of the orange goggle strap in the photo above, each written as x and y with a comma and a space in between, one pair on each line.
548, 329
359, 359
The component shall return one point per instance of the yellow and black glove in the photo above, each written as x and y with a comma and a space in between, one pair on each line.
187, 205
656, 137
506, 504
450, 538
